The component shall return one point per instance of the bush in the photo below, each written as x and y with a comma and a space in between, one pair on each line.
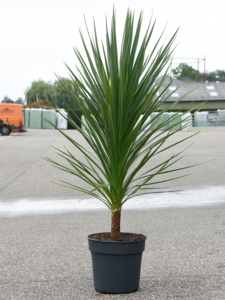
75, 115
39, 104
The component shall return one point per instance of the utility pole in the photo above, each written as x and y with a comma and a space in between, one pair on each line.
198, 71
204, 68
171, 70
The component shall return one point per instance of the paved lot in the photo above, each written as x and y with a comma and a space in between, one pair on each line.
24, 174
46, 257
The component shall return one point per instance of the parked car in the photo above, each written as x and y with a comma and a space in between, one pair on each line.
11, 118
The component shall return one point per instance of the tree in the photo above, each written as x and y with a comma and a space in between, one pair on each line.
7, 100
41, 90
63, 99
218, 75
19, 101
121, 138
184, 70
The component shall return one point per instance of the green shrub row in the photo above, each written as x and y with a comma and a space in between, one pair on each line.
75, 115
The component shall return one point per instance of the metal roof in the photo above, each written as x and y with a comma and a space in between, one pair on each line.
168, 79
211, 91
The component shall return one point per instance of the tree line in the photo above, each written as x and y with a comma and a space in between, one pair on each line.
51, 94
184, 70
47, 94
8, 100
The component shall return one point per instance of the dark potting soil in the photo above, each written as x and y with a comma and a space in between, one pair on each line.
124, 237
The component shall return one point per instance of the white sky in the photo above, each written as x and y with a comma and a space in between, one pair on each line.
38, 36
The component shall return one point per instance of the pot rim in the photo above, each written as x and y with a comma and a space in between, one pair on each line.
116, 242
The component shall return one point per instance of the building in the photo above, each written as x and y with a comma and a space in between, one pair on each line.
211, 94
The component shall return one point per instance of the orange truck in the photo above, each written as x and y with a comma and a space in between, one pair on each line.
11, 118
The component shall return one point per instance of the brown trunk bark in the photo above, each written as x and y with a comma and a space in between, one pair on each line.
115, 226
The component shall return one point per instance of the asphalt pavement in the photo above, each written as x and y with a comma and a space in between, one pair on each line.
47, 256
25, 174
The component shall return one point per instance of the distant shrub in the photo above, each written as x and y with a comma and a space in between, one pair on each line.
39, 104
75, 115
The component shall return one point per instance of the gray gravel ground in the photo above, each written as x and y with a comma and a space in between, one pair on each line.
47, 257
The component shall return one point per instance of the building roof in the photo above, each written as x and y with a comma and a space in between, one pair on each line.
188, 80
211, 91
168, 79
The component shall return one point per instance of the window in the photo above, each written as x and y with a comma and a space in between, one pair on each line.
172, 88
175, 95
213, 94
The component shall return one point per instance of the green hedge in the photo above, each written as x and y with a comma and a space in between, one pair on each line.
75, 115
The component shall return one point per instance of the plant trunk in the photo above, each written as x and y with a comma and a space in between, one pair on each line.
115, 226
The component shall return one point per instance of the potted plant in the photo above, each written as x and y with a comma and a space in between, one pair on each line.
113, 92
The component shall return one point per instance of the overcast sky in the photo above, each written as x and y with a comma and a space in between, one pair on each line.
37, 37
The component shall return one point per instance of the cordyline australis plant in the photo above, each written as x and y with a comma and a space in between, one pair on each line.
112, 91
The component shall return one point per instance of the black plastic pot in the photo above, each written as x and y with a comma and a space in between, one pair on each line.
116, 265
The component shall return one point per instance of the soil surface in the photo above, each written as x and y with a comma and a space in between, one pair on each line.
124, 237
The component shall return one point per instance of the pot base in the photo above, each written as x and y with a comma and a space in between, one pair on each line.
116, 265
115, 293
